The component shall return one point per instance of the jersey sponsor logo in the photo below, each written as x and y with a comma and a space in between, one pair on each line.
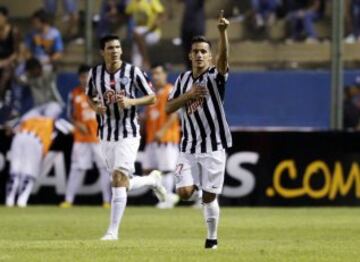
194, 105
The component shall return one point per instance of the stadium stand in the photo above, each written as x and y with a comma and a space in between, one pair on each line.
249, 48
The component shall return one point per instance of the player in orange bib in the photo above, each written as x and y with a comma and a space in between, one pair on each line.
162, 136
86, 147
28, 148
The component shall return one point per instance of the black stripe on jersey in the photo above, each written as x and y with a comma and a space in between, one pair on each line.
108, 113
186, 133
202, 131
212, 127
193, 134
218, 113
116, 109
133, 108
141, 86
90, 90
186, 83
177, 88
185, 136
125, 111
220, 82
201, 126
100, 117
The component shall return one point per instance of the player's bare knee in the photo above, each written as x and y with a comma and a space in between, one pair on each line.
208, 197
119, 179
185, 192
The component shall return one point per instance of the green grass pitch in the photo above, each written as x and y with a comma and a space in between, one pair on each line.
147, 234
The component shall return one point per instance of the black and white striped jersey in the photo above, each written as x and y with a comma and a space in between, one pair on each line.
117, 123
203, 121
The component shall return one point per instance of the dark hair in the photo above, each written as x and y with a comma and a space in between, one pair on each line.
4, 11
32, 63
83, 68
42, 16
163, 66
108, 38
200, 39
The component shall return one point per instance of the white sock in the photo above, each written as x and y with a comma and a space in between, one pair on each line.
76, 177
118, 204
105, 184
168, 181
140, 181
211, 215
12, 186
26, 186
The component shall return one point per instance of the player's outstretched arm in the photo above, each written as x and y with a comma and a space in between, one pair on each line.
223, 55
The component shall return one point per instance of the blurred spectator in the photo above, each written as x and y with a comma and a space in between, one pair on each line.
44, 42
112, 13
193, 24
264, 12
353, 11
46, 98
352, 106
302, 15
86, 149
148, 16
162, 137
9, 47
70, 9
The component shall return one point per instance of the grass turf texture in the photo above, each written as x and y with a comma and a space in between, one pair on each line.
147, 234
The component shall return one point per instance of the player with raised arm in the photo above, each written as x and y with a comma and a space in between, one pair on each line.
115, 84
199, 94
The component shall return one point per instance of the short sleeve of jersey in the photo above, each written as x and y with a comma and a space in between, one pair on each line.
91, 90
176, 90
220, 77
142, 82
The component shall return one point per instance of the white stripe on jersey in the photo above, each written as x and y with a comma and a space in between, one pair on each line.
117, 123
204, 125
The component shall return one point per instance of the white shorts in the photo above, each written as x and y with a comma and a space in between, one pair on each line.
26, 155
84, 154
205, 170
160, 156
121, 155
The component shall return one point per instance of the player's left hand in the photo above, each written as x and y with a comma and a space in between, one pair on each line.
123, 102
223, 23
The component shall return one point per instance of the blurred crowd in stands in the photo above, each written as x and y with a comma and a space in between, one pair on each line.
43, 44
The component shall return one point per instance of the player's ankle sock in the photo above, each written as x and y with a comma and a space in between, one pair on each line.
167, 180
105, 184
118, 204
25, 189
211, 215
140, 181
75, 178
11, 189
